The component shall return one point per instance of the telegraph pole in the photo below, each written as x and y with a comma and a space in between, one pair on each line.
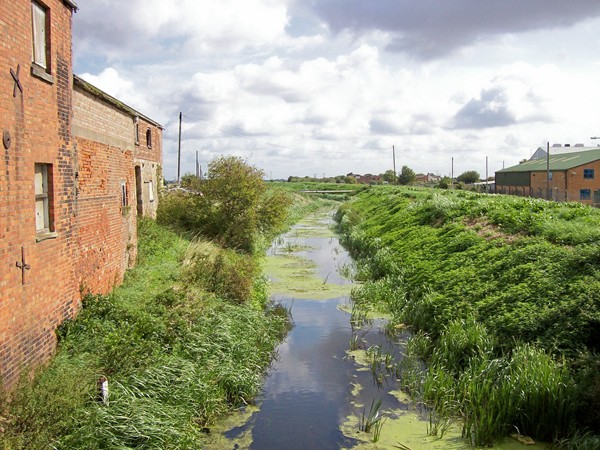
179, 151
548, 171
486, 174
394, 156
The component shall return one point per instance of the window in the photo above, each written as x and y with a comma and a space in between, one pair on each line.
550, 176
136, 130
40, 36
43, 177
123, 195
588, 174
584, 194
151, 190
149, 138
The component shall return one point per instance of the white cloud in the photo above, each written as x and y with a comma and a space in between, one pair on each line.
264, 79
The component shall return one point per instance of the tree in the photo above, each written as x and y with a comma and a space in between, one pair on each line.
389, 176
468, 177
236, 204
407, 176
444, 183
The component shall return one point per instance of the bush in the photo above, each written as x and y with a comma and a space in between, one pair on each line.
232, 206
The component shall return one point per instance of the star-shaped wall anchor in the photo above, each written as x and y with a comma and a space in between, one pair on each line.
16, 79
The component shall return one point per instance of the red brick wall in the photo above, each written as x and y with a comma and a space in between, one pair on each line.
565, 185
575, 182
90, 147
38, 120
107, 234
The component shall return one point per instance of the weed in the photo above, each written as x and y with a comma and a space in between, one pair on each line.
373, 421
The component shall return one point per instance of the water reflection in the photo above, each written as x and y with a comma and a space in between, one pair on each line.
309, 391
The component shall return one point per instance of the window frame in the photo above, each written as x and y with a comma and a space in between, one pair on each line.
124, 195
151, 191
149, 137
43, 195
136, 130
585, 194
588, 174
40, 45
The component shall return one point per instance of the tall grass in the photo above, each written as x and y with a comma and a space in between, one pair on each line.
525, 390
512, 276
177, 356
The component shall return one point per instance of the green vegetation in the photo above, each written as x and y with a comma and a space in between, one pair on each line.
233, 206
468, 177
185, 340
406, 176
503, 294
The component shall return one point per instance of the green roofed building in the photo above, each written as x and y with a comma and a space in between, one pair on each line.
563, 177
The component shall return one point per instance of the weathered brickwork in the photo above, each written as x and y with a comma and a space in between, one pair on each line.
107, 234
83, 142
37, 120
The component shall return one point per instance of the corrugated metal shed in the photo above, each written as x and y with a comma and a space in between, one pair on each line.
557, 162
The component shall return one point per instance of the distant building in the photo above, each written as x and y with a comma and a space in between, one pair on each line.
573, 176
430, 178
559, 149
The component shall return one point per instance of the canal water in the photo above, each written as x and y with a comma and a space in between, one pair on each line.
317, 390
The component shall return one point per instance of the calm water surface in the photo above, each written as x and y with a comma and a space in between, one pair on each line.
308, 392
315, 389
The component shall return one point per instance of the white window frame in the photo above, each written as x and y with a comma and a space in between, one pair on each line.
151, 190
39, 35
42, 199
136, 130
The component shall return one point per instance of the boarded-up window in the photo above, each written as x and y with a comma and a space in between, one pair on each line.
40, 38
42, 203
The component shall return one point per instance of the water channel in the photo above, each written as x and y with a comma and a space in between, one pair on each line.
316, 390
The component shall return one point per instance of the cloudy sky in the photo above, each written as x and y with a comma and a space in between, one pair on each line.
313, 87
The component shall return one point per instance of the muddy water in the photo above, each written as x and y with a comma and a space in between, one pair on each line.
316, 391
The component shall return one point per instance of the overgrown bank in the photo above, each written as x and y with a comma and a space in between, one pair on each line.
503, 293
185, 339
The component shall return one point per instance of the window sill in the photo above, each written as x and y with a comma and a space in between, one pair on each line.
40, 72
44, 236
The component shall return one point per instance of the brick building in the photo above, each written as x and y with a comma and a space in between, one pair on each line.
77, 167
573, 176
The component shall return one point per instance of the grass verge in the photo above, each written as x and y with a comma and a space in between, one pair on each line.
177, 356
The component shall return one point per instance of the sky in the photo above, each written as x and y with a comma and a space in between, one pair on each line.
328, 87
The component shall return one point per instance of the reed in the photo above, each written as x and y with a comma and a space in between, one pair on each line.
373, 421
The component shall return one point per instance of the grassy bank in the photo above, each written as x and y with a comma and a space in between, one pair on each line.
177, 356
503, 293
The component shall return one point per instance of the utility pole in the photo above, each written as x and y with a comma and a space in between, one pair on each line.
179, 151
394, 156
548, 171
486, 174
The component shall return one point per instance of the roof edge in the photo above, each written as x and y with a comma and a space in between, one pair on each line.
97, 92
72, 4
